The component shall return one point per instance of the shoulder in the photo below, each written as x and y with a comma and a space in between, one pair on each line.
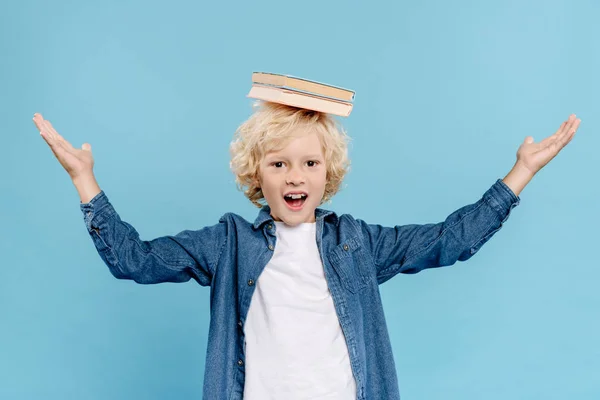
236, 222
231, 217
349, 226
334, 218
346, 225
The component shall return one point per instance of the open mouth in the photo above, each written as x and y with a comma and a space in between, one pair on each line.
295, 201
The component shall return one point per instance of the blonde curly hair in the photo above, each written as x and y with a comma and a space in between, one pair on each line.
269, 129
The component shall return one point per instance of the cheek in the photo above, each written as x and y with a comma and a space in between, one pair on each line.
268, 186
323, 178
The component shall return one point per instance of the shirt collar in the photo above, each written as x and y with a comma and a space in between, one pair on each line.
264, 215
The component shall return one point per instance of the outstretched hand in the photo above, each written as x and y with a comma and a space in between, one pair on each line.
77, 162
534, 156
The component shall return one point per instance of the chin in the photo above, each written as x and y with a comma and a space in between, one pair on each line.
292, 219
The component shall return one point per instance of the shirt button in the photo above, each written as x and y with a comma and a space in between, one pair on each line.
346, 247
240, 362
240, 324
250, 282
270, 226
271, 247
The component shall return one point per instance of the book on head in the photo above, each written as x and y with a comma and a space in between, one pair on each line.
304, 85
300, 99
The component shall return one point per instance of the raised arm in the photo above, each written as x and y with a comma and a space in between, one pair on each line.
412, 248
178, 258
175, 258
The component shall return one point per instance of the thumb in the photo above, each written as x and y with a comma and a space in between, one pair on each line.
529, 139
86, 147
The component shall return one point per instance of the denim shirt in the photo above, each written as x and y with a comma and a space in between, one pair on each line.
357, 257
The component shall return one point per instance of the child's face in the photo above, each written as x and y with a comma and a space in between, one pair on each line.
298, 168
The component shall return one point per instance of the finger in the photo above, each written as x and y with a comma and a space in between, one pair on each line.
51, 132
565, 137
572, 120
560, 134
37, 120
568, 124
40, 123
558, 140
42, 127
43, 131
55, 144
56, 149
552, 137
569, 136
564, 126
51, 128
58, 137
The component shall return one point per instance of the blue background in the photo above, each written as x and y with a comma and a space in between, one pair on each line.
446, 93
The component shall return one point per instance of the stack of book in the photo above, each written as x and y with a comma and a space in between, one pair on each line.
302, 93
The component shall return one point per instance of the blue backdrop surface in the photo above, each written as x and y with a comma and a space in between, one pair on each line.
446, 92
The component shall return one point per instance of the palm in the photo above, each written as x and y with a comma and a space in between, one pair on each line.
74, 161
534, 156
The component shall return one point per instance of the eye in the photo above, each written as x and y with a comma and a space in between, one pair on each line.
277, 164
312, 163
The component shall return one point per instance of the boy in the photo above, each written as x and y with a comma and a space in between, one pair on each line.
295, 305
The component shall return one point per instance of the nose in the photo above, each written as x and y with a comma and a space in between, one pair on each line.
294, 177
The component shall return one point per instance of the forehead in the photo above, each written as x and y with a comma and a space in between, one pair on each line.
296, 143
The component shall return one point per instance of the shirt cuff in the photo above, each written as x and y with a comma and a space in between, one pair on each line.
502, 199
97, 211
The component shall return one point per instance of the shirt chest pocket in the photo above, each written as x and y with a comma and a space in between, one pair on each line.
351, 263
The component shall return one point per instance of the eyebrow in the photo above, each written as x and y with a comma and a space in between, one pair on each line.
277, 156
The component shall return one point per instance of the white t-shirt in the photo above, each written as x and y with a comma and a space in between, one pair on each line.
295, 347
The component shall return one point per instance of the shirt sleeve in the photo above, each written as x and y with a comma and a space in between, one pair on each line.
412, 248
178, 258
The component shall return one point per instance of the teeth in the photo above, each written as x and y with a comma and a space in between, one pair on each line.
295, 196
